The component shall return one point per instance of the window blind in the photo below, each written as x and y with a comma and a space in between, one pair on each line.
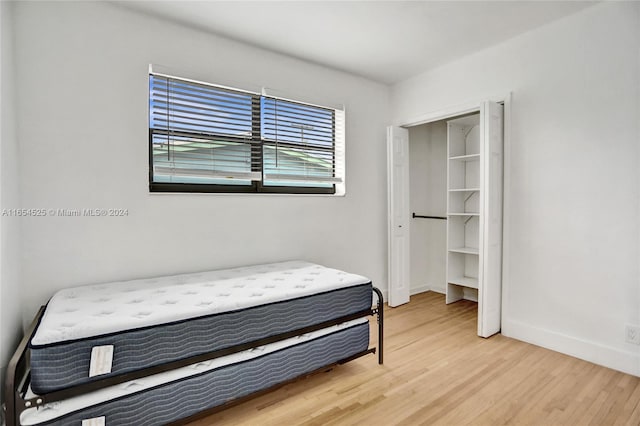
215, 138
202, 134
299, 143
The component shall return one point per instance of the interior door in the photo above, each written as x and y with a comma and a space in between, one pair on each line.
490, 271
398, 214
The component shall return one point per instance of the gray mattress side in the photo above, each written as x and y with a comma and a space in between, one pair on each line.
183, 398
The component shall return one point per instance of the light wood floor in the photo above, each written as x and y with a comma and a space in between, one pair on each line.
438, 372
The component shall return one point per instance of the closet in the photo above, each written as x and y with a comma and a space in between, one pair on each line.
452, 202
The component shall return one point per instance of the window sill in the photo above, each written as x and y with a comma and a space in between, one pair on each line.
243, 194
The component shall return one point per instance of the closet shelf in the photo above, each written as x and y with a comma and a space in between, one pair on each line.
468, 157
464, 214
464, 281
464, 250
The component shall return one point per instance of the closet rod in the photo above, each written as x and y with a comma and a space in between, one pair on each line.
428, 217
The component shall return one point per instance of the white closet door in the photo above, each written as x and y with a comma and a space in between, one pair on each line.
398, 206
490, 273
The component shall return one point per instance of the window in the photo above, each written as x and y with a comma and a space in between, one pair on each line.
207, 138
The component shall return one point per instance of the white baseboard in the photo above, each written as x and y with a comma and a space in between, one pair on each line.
419, 289
412, 291
438, 289
617, 359
426, 287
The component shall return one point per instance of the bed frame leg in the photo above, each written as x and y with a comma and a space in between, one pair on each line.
379, 311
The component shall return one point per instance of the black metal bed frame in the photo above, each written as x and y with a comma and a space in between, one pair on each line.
18, 370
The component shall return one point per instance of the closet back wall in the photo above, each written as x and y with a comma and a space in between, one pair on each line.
82, 111
428, 189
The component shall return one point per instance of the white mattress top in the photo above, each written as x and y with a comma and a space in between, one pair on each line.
54, 410
88, 311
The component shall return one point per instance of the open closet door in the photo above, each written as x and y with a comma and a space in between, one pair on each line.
490, 271
398, 206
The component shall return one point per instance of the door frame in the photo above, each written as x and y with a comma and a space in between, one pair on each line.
466, 108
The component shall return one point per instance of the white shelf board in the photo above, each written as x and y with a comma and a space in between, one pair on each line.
468, 157
464, 214
464, 281
464, 250
465, 190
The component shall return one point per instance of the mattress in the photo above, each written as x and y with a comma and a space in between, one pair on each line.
91, 332
176, 394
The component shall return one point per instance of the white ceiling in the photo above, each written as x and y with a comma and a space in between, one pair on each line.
386, 41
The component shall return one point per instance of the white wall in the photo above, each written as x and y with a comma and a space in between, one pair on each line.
572, 195
82, 113
10, 294
428, 189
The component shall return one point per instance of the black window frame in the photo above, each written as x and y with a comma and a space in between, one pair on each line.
257, 143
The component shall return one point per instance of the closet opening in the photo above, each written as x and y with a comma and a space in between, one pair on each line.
428, 202
446, 190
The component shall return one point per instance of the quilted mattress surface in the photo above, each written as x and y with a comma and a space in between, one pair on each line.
153, 321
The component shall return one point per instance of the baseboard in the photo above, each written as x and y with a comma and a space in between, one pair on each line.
426, 287
438, 289
625, 361
412, 291
418, 289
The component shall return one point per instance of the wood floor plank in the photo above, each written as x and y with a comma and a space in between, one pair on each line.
438, 372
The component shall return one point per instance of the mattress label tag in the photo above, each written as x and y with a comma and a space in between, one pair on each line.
96, 421
101, 360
